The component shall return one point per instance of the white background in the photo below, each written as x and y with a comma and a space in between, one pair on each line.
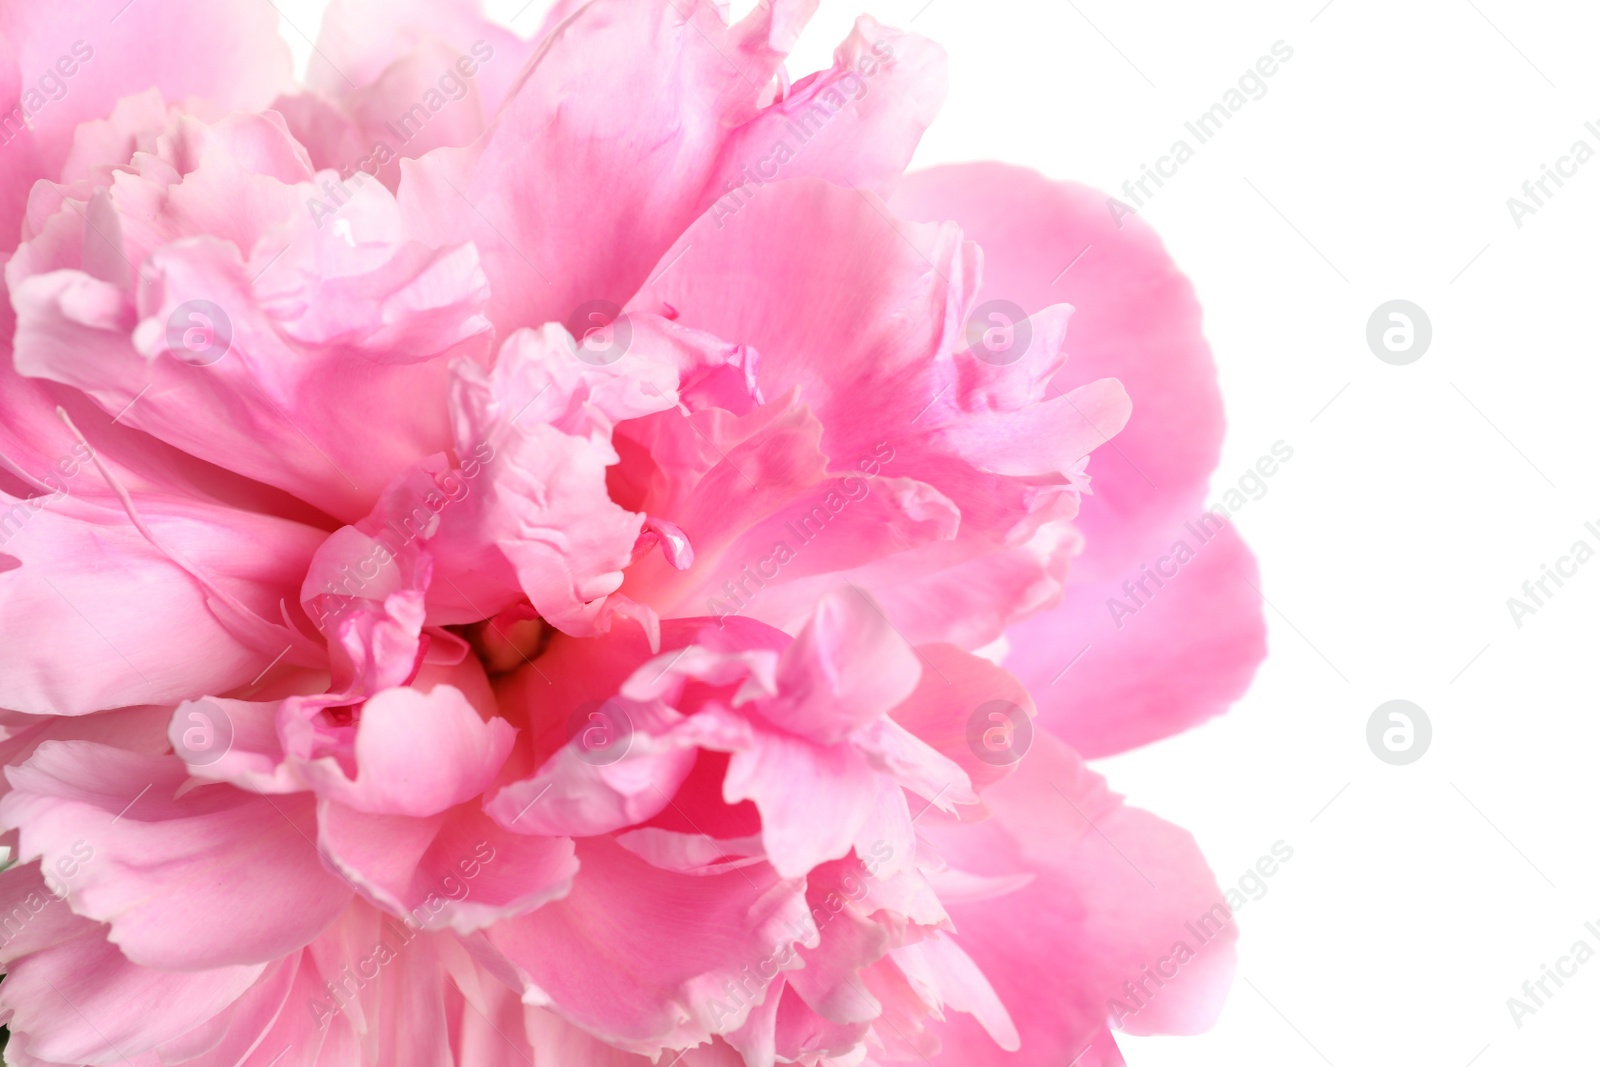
1419, 498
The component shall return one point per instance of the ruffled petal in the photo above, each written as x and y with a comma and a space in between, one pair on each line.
608, 956
457, 870
209, 878
1113, 894
565, 218
66, 65
1136, 320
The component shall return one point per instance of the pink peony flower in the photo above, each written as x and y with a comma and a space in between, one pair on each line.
555, 551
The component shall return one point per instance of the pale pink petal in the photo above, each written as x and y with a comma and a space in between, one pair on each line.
1062, 431
771, 529
228, 1037
209, 596
715, 475
849, 941
574, 794
237, 874
52, 457
34, 900
361, 41
456, 870
1113, 669
801, 1031
136, 729
691, 851
367, 595
539, 521
608, 956
813, 799
101, 144
1136, 320
856, 123
60, 966
700, 831
956, 689
83, 1002
423, 100
1114, 891
883, 298
564, 217
227, 51
268, 386
962, 986
886, 299
416, 753
235, 741
846, 669
890, 830
913, 763
965, 593
755, 1044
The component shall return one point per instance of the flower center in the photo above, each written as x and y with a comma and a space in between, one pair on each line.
504, 644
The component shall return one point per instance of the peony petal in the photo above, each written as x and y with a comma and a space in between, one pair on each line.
854, 124
1115, 890
227, 51
83, 1002
1112, 670
575, 192
204, 595
571, 794
541, 522
813, 799
962, 986
846, 669
849, 941
609, 957
237, 874
457, 870
362, 41
1137, 320
956, 689
270, 350
416, 753
883, 298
